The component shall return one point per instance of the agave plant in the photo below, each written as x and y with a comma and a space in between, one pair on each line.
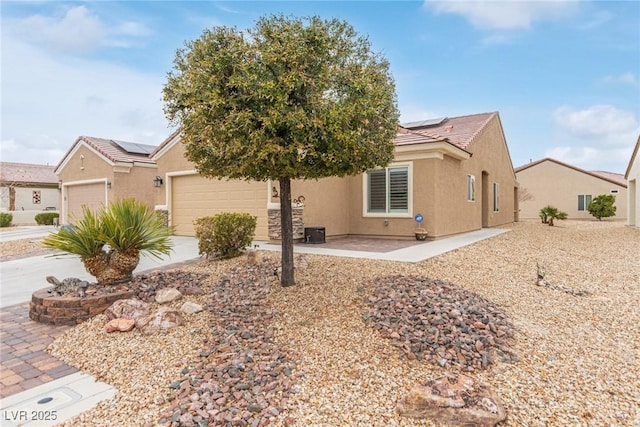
109, 242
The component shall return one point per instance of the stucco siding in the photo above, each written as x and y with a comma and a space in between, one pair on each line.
550, 183
633, 189
325, 203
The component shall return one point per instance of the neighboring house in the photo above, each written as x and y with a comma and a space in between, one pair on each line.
97, 171
568, 188
632, 175
27, 189
456, 172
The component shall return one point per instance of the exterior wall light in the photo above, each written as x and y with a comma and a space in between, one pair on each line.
157, 182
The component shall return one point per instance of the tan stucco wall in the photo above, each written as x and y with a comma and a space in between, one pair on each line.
326, 203
553, 184
137, 183
171, 161
633, 193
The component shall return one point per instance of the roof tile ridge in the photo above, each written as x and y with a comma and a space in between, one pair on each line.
92, 144
484, 124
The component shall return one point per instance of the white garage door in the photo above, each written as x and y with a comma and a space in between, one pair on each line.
193, 196
91, 195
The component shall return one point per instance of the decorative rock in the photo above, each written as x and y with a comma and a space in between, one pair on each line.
166, 295
128, 309
191, 307
121, 325
454, 399
163, 319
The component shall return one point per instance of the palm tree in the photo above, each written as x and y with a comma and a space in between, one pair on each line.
110, 241
549, 213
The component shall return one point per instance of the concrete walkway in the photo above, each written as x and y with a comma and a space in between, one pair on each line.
75, 393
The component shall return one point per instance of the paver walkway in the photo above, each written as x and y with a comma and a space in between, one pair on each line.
24, 362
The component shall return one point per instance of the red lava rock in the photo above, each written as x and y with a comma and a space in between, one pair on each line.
437, 322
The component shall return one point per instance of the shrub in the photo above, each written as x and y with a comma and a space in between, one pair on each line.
549, 213
46, 218
602, 206
5, 219
225, 235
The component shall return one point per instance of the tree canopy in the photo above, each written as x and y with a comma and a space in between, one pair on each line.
602, 206
291, 98
295, 97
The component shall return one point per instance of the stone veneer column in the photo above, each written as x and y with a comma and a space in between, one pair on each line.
274, 224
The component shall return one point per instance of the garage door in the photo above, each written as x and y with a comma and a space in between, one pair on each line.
91, 195
193, 197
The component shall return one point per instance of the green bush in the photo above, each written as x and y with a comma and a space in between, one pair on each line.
225, 235
5, 219
46, 218
603, 206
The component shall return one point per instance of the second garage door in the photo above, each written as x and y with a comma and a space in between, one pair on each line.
193, 196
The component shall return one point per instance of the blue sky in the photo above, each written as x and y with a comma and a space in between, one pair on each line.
564, 75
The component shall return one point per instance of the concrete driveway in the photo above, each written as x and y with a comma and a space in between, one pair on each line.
21, 277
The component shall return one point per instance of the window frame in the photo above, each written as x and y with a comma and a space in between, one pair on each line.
496, 197
388, 213
471, 188
585, 203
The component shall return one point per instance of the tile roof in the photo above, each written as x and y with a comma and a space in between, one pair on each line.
459, 131
615, 178
26, 172
112, 151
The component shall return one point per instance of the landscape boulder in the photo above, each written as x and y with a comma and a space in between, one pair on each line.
166, 295
161, 320
128, 309
121, 325
454, 400
191, 307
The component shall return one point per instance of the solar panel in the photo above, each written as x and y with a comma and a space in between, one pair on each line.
424, 123
134, 148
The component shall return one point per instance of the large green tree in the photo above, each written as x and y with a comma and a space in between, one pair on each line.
291, 98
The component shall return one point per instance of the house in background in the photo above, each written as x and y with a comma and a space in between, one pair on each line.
456, 172
632, 175
95, 172
568, 188
26, 190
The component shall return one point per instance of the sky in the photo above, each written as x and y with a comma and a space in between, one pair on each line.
563, 75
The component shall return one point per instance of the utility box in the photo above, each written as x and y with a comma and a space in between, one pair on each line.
314, 235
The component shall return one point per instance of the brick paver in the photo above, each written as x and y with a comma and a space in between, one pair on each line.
24, 363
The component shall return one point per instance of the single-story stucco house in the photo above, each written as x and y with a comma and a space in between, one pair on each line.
568, 188
26, 190
632, 175
455, 172
97, 171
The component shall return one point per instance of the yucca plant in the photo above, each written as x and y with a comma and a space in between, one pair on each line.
109, 242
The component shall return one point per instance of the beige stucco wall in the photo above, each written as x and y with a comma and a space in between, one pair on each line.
326, 203
553, 184
633, 193
86, 165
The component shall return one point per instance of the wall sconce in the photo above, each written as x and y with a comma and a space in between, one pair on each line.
274, 192
108, 185
157, 182
59, 185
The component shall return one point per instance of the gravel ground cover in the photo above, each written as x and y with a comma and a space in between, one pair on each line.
577, 355
14, 249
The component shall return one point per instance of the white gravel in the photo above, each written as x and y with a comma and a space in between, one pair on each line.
579, 355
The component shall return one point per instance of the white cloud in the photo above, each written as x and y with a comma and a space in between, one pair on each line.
78, 30
627, 78
49, 101
600, 137
606, 124
504, 15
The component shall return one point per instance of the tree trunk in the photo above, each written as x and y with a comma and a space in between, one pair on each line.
286, 232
